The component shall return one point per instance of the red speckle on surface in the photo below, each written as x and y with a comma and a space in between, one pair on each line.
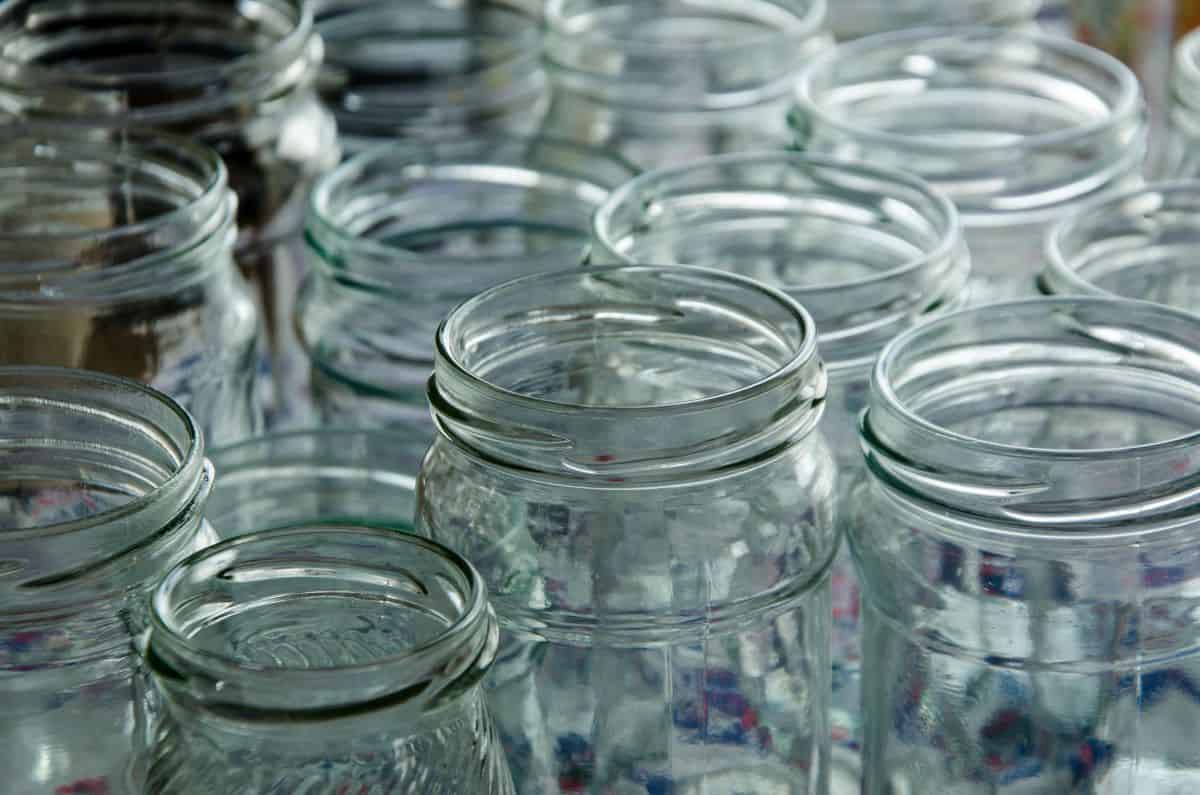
85, 786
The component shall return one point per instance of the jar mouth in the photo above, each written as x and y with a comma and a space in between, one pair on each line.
1139, 244
1001, 101
321, 618
899, 238
1055, 413
92, 217
148, 62
330, 476
437, 217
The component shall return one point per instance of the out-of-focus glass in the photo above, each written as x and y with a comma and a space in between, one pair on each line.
869, 250
1183, 160
419, 69
102, 490
1016, 128
664, 82
116, 255
1029, 550
851, 19
630, 456
401, 234
323, 660
330, 476
237, 76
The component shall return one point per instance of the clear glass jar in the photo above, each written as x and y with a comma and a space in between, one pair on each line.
872, 251
116, 255
1184, 125
416, 69
1016, 128
630, 456
851, 19
327, 476
101, 491
667, 82
325, 661
1028, 547
1138, 244
402, 234
238, 76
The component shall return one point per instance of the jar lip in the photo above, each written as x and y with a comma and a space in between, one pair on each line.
182, 481
1059, 276
1126, 106
882, 381
473, 613
801, 358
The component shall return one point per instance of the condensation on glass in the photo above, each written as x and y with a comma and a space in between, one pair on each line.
102, 490
398, 236
238, 76
1142, 244
361, 477
630, 456
668, 81
116, 255
324, 660
1016, 128
415, 69
1029, 550
851, 19
869, 251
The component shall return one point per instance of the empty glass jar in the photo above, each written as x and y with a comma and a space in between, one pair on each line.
1182, 159
326, 476
326, 661
102, 490
872, 251
400, 235
1144, 243
630, 456
417, 69
238, 76
1016, 128
116, 255
669, 81
1028, 547
850, 19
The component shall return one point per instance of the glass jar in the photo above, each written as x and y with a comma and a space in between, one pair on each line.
328, 476
400, 235
101, 491
116, 255
630, 456
1028, 546
1016, 128
667, 82
1182, 158
1137, 244
417, 69
238, 76
850, 19
325, 661
872, 251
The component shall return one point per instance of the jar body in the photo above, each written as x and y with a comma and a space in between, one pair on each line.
855, 18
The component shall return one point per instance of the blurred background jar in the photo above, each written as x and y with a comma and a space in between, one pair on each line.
630, 457
1143, 244
1027, 544
238, 76
326, 476
116, 255
431, 70
667, 81
1016, 128
398, 236
101, 492
872, 251
851, 19
323, 660
1182, 159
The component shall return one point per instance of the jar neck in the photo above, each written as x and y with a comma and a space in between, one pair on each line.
100, 218
869, 251
631, 376
1013, 127
1051, 415
679, 57
199, 66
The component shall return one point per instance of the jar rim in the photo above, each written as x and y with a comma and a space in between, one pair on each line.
1187, 58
